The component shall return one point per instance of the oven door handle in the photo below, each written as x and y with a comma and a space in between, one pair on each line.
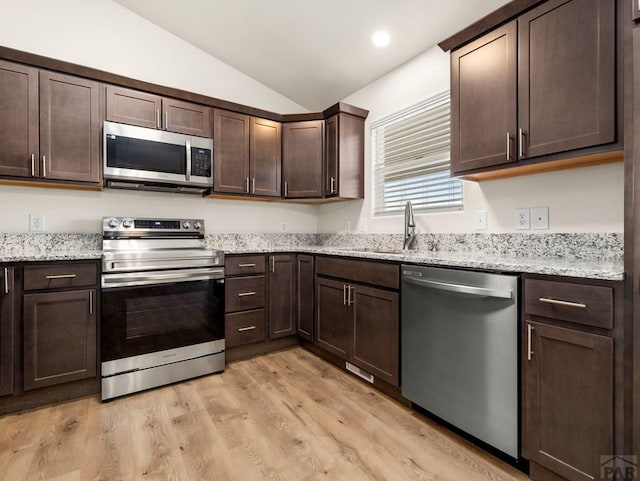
149, 278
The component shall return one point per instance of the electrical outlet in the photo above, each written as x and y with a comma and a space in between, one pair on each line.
347, 225
539, 217
283, 226
480, 220
36, 222
522, 219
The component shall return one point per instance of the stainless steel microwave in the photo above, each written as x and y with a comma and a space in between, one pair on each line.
148, 159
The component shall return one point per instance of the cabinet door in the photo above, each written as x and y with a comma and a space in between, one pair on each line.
483, 101
344, 157
19, 120
333, 320
376, 332
302, 158
59, 337
566, 76
70, 128
231, 152
568, 400
187, 118
282, 290
332, 155
7, 325
266, 157
132, 107
305, 264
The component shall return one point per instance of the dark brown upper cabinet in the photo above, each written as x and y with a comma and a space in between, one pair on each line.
302, 159
51, 127
535, 88
143, 109
247, 155
344, 157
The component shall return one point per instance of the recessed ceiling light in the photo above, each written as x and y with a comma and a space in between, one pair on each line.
380, 38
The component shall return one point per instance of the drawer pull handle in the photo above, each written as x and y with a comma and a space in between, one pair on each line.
63, 276
248, 328
562, 303
246, 265
245, 294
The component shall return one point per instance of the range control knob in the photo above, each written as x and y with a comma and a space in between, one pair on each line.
197, 225
113, 223
127, 223
186, 224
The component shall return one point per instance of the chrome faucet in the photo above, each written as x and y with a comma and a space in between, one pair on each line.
409, 226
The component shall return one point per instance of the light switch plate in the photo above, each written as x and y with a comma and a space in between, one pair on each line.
539, 217
480, 220
522, 219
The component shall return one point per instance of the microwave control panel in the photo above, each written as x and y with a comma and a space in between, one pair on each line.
200, 162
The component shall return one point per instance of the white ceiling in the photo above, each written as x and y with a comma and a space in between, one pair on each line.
313, 52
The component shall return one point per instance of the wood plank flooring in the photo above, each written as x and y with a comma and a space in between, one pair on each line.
286, 416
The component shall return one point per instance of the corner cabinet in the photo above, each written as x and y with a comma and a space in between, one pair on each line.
358, 314
51, 126
537, 87
303, 155
305, 297
324, 158
248, 155
572, 373
7, 329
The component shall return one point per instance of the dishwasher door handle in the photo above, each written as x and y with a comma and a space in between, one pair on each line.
460, 288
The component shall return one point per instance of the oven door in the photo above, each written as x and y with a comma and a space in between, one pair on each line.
160, 315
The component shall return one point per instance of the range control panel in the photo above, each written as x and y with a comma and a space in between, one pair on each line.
131, 224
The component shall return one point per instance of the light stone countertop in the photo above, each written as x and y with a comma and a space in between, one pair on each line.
591, 269
582, 268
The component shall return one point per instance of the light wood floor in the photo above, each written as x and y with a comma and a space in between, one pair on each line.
287, 416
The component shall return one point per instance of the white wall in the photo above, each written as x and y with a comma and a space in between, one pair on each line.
579, 200
103, 35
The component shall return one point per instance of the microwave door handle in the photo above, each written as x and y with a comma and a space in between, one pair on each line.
188, 146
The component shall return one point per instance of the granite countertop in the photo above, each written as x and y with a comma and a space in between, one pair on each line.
591, 269
583, 268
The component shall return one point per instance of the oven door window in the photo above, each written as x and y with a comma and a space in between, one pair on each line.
143, 319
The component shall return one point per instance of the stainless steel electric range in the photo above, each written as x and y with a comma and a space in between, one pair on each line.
162, 304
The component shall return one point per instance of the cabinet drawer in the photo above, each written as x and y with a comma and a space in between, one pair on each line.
242, 265
60, 276
368, 272
244, 327
244, 293
579, 303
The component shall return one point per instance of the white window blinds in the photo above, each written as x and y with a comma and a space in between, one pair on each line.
411, 159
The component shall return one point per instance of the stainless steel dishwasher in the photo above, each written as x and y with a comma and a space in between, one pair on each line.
460, 350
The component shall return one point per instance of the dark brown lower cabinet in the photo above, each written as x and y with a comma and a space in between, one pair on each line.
305, 272
568, 400
59, 337
360, 324
7, 327
376, 324
282, 295
333, 320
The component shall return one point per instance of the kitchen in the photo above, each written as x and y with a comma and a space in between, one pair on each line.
597, 209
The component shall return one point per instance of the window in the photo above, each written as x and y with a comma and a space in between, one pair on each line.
411, 159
